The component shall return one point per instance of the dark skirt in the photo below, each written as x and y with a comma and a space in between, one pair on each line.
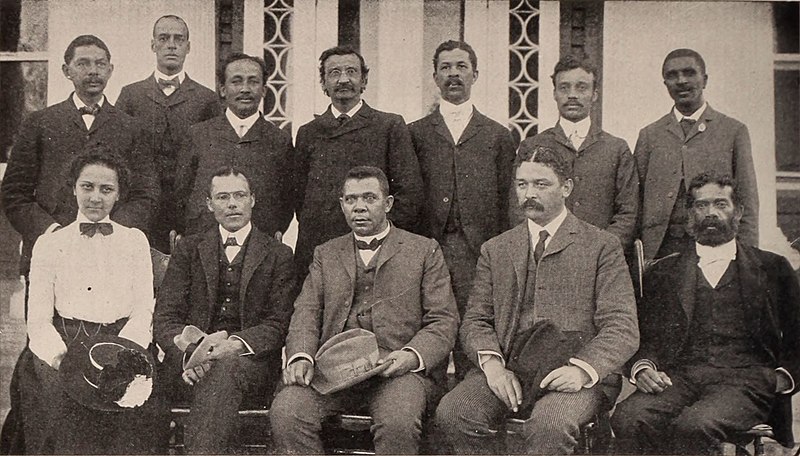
54, 423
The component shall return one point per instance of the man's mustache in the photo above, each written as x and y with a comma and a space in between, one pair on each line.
711, 222
532, 204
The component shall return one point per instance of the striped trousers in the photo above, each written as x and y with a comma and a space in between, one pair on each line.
469, 416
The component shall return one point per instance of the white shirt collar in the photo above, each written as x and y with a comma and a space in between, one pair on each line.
336, 113
534, 228
707, 253
581, 126
79, 103
83, 219
462, 111
380, 235
236, 122
695, 115
159, 75
240, 235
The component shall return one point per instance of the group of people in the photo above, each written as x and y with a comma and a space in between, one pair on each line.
442, 236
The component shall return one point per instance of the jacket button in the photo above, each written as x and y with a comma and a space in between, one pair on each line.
446, 199
577, 203
669, 195
227, 299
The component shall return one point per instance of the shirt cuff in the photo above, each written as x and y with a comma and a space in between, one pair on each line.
586, 367
246, 345
419, 358
485, 355
297, 356
639, 366
786, 373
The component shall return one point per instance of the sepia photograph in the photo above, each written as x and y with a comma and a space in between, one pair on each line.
399, 227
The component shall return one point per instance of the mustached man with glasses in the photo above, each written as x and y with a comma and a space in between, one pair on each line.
236, 284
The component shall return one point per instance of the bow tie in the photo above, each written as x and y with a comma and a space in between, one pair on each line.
165, 83
231, 242
90, 110
90, 229
372, 245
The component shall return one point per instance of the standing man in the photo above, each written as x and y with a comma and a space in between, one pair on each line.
166, 104
552, 268
606, 192
381, 279
35, 194
720, 353
236, 284
242, 138
466, 161
691, 139
350, 133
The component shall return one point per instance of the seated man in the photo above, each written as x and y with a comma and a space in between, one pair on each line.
384, 280
236, 282
552, 269
720, 326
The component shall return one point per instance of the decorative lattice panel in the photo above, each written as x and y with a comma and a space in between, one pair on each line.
523, 85
277, 54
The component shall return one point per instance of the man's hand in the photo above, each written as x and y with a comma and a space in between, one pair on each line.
298, 372
194, 375
402, 362
565, 379
226, 348
650, 381
503, 383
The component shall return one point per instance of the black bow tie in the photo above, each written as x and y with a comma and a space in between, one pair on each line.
343, 119
164, 83
373, 244
231, 242
90, 110
90, 229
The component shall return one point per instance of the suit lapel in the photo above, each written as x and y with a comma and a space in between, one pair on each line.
182, 94
473, 126
225, 130
674, 127
561, 137
71, 112
103, 115
591, 137
440, 127
390, 247
362, 119
154, 92
254, 254
517, 249
752, 280
209, 258
687, 265
563, 237
346, 249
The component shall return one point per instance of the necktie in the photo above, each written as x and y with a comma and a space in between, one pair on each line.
232, 248
90, 110
342, 119
372, 245
538, 251
576, 139
686, 125
90, 229
166, 84
231, 242
242, 131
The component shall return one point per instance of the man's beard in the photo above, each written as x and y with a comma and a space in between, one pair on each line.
704, 234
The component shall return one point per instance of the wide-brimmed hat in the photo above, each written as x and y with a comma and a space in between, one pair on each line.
346, 359
108, 373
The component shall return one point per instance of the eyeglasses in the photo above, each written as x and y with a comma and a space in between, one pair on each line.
224, 197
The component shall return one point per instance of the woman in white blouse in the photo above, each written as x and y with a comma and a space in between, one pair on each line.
91, 277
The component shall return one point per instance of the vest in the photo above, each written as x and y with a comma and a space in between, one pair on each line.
526, 310
719, 334
364, 294
227, 316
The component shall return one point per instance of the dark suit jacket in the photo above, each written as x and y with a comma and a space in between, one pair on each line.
188, 294
166, 119
477, 171
264, 154
325, 152
664, 157
35, 190
582, 285
415, 306
606, 192
769, 288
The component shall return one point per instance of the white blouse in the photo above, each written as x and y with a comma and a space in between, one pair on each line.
99, 279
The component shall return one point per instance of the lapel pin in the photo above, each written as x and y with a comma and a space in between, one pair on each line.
701, 127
